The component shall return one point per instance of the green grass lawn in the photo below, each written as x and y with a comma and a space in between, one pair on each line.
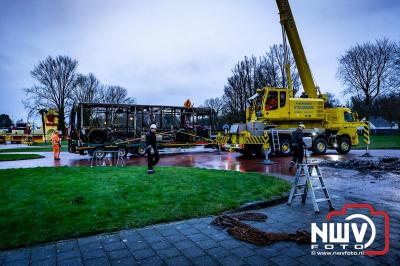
15, 157
38, 147
48, 143
47, 204
33, 149
380, 142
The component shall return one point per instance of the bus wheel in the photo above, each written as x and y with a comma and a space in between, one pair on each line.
97, 137
141, 151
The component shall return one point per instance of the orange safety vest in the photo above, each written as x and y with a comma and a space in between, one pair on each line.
55, 139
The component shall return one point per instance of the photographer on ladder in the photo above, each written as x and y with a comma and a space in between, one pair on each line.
297, 146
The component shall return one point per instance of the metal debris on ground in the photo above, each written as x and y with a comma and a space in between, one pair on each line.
251, 216
389, 159
247, 233
383, 164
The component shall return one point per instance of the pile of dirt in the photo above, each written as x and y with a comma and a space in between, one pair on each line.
384, 164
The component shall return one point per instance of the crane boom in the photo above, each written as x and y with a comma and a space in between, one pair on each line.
274, 113
289, 25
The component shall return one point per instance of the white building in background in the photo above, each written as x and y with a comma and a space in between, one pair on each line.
379, 125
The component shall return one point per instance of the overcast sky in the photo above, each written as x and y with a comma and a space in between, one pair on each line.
164, 52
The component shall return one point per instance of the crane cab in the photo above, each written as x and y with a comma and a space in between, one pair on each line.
275, 104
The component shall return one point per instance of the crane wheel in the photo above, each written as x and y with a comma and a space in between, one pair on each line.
259, 151
319, 146
246, 152
285, 149
344, 145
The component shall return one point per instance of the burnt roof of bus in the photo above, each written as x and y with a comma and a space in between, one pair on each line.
141, 107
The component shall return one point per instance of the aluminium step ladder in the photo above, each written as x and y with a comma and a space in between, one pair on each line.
312, 184
107, 158
276, 146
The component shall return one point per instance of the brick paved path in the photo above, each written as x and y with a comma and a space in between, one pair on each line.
196, 242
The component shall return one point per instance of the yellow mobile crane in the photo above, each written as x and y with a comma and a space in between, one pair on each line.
274, 113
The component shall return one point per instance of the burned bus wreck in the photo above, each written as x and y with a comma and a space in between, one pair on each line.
95, 126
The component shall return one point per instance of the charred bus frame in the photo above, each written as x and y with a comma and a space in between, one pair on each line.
93, 125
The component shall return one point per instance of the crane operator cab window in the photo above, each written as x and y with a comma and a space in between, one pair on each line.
256, 102
348, 117
282, 102
272, 101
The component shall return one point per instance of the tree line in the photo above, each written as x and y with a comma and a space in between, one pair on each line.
249, 75
369, 72
59, 86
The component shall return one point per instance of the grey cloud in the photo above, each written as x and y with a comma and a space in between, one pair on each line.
167, 51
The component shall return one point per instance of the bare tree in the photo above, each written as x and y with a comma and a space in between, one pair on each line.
217, 105
117, 95
87, 89
56, 78
332, 100
395, 79
251, 74
272, 66
366, 70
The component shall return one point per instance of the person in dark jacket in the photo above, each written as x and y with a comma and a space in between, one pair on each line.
151, 147
297, 146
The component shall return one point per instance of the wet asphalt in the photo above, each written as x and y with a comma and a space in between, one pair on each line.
382, 186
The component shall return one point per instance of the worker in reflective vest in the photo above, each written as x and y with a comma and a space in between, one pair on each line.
56, 142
